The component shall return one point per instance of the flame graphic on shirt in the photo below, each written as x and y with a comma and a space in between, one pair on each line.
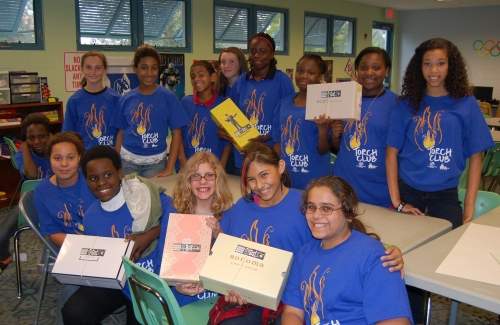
359, 136
253, 235
290, 136
94, 122
140, 116
116, 234
255, 108
429, 129
197, 130
313, 299
65, 215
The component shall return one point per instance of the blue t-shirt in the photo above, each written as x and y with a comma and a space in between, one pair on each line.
62, 209
281, 226
90, 114
298, 141
182, 299
201, 132
145, 120
42, 163
435, 143
118, 224
346, 284
259, 101
361, 157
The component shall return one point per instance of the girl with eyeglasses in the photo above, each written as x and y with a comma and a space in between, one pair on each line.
268, 213
338, 278
201, 188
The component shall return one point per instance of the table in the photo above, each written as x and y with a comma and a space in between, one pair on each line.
421, 264
404, 231
493, 122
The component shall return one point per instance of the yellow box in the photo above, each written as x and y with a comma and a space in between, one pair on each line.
338, 100
256, 272
229, 117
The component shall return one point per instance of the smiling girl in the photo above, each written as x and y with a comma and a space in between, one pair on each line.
232, 64
436, 128
201, 132
338, 279
90, 109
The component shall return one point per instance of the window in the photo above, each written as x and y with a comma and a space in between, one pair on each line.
21, 25
382, 37
124, 24
329, 35
235, 22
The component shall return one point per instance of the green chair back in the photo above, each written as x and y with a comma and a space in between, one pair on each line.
485, 201
12, 151
491, 162
153, 301
27, 186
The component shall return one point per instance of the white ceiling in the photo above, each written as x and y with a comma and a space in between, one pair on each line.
427, 4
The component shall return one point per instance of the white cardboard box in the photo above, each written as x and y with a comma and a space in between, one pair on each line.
92, 261
256, 272
339, 100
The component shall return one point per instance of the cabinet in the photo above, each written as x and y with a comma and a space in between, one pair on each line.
10, 125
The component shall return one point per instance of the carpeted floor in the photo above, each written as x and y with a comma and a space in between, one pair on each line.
14, 311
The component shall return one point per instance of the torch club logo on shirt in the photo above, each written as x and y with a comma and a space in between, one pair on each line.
356, 139
197, 133
290, 142
428, 135
255, 111
65, 215
312, 290
253, 234
140, 119
95, 125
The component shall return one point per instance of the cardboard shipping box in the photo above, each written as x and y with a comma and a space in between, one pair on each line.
339, 100
187, 245
92, 261
255, 271
229, 117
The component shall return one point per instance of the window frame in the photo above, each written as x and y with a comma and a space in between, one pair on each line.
136, 30
252, 21
38, 30
390, 43
329, 34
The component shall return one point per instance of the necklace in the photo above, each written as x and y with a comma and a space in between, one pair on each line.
375, 99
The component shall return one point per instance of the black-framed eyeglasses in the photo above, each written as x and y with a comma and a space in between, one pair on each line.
197, 177
325, 210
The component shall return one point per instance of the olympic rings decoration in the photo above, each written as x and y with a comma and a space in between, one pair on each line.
489, 47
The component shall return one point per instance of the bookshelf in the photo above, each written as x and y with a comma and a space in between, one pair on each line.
11, 116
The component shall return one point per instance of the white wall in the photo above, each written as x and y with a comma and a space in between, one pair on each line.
462, 26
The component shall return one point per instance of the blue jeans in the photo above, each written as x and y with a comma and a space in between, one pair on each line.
143, 170
442, 204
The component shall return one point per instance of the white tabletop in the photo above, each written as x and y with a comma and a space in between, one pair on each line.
402, 230
493, 121
405, 231
422, 263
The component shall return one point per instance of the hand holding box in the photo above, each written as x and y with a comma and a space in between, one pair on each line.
229, 117
255, 271
339, 100
187, 245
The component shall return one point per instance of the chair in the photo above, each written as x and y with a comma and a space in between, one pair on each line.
491, 166
22, 226
154, 302
28, 211
485, 201
12, 152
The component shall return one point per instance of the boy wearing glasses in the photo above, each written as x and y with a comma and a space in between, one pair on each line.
31, 158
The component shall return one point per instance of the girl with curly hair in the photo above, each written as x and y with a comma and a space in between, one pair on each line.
436, 128
201, 188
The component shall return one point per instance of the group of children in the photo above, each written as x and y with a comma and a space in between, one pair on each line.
406, 153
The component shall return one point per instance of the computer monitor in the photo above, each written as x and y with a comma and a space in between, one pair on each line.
484, 94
